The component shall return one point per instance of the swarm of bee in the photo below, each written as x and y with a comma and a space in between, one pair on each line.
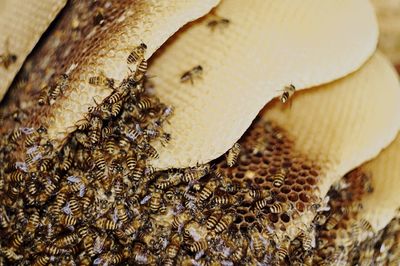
96, 200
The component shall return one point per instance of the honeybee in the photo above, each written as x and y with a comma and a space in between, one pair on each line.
282, 252
155, 201
261, 204
17, 240
66, 240
198, 246
98, 160
144, 104
122, 212
218, 22
104, 223
224, 223
7, 58
101, 80
137, 54
257, 242
196, 71
140, 71
279, 178
224, 200
332, 221
33, 223
58, 89
194, 174
116, 108
233, 154
207, 190
17, 176
68, 220
138, 172
239, 252
41, 260
15, 135
116, 96
278, 207
213, 219
181, 219
287, 93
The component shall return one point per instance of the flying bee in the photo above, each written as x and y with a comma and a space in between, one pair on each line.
213, 219
224, 223
137, 54
198, 246
218, 22
207, 190
287, 93
101, 80
7, 58
196, 71
279, 178
233, 154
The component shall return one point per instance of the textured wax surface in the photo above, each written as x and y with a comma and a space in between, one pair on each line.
346, 122
21, 25
266, 46
385, 172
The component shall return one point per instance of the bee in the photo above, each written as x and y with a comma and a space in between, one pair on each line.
106, 224
261, 204
233, 154
306, 240
151, 152
133, 226
58, 89
224, 223
20, 215
198, 246
59, 202
365, 225
239, 252
66, 240
144, 104
332, 221
164, 184
17, 176
140, 70
7, 58
165, 139
31, 139
137, 54
94, 136
101, 80
196, 71
116, 96
116, 108
44, 165
111, 147
260, 194
287, 93
155, 201
53, 250
279, 178
33, 223
99, 161
17, 240
213, 219
173, 247
131, 162
83, 139
224, 200
181, 219
83, 124
278, 207
218, 22
258, 244
194, 174
41, 260
138, 172
282, 252
207, 190
99, 17
68, 220
74, 205
122, 212
320, 219
15, 135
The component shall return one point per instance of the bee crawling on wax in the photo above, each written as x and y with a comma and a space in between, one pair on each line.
218, 22
196, 71
7, 58
287, 93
